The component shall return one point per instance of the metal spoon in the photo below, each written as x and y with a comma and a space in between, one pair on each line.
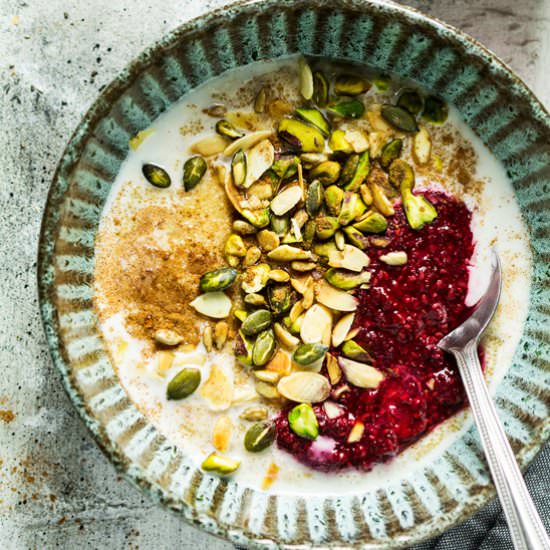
525, 525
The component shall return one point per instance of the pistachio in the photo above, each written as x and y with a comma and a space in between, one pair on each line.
351, 207
226, 129
335, 299
209, 146
342, 328
253, 255
220, 464
156, 176
268, 240
304, 387
238, 168
315, 117
399, 118
326, 226
267, 390
240, 314
339, 240
326, 172
260, 158
285, 168
371, 222
303, 422
254, 414
320, 89
346, 280
333, 369
286, 200
183, 384
221, 434
280, 224
243, 228
350, 85
359, 374
246, 142
296, 326
302, 267
284, 337
258, 218
350, 257
254, 299
286, 253
366, 195
411, 101
435, 110
279, 275
314, 198
356, 433
234, 246
422, 147
390, 152
255, 278
324, 249
268, 376
394, 258
259, 437
381, 200
260, 100
212, 304
349, 170
338, 142
382, 83
233, 261
243, 349
353, 350
306, 79
306, 354
333, 199
264, 348
348, 108
355, 237
308, 233
167, 337
309, 160
316, 324
278, 297
301, 136
217, 110
207, 338
220, 279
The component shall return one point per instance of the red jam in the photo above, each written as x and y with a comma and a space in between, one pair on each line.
401, 317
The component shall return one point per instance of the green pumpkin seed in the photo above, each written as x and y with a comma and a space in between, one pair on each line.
326, 226
346, 280
350, 85
220, 464
327, 172
220, 279
411, 101
435, 110
348, 108
256, 322
320, 89
399, 118
306, 354
372, 222
354, 351
238, 168
193, 171
303, 422
390, 152
183, 384
314, 198
278, 297
259, 437
156, 176
261, 100
226, 129
315, 117
361, 172
264, 348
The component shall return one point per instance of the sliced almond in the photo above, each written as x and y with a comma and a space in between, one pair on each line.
209, 146
317, 321
220, 334
258, 160
422, 146
333, 298
286, 200
164, 360
350, 257
300, 283
302, 266
270, 476
333, 369
332, 410
243, 394
280, 364
221, 434
394, 258
269, 376
309, 293
304, 387
352, 334
287, 253
341, 329
218, 389
356, 432
212, 304
360, 374
183, 359
284, 337
358, 139
377, 123
246, 142
168, 337
295, 311
377, 140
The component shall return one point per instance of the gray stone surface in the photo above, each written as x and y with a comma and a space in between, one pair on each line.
56, 489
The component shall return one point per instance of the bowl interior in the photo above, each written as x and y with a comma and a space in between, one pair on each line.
494, 102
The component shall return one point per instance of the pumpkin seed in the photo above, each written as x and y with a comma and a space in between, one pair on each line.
435, 110
226, 129
360, 374
304, 387
259, 437
353, 350
238, 168
338, 142
326, 226
167, 337
183, 384
193, 171
306, 79
301, 136
422, 147
254, 414
220, 279
220, 464
315, 117
246, 142
306, 354
334, 196
286, 200
341, 329
278, 297
156, 176
286, 253
411, 101
334, 298
350, 85
346, 280
326, 172
355, 237
255, 278
371, 222
255, 300
243, 228
264, 348
350, 257
260, 100
212, 304
284, 337
399, 118
348, 108
390, 152
314, 198
209, 146
268, 240
256, 322
394, 258
320, 89
303, 422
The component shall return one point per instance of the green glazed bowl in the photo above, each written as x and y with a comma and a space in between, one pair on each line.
425, 500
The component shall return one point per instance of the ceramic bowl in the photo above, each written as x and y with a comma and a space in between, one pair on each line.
422, 501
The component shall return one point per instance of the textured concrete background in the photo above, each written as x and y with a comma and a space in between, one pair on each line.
56, 489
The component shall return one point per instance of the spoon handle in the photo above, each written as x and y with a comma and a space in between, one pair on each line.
525, 525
